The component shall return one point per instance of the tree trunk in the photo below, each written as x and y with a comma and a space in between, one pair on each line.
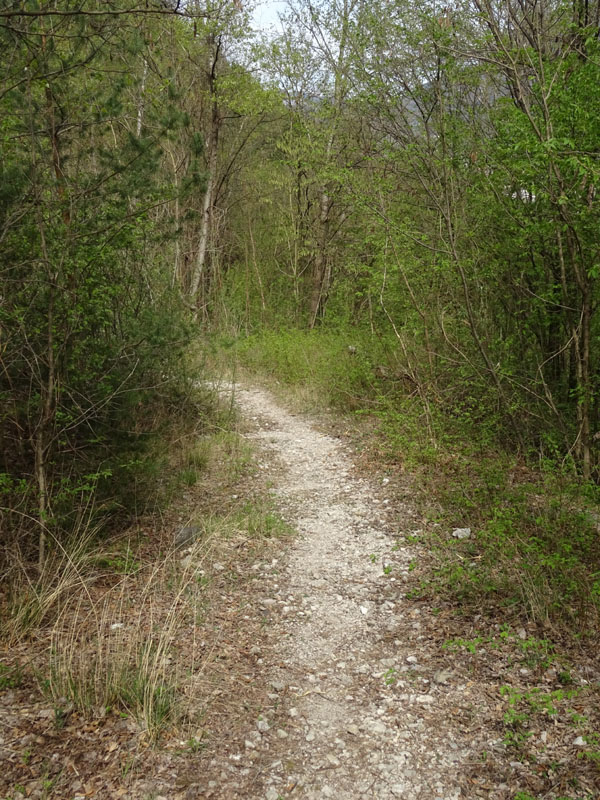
585, 400
320, 278
199, 282
140, 106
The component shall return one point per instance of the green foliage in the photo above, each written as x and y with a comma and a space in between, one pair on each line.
267, 524
259, 520
121, 563
449, 199
93, 331
10, 677
530, 709
469, 645
522, 704
337, 366
534, 549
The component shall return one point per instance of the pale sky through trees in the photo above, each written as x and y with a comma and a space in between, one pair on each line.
266, 14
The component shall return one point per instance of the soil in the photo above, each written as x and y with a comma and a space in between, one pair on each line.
334, 678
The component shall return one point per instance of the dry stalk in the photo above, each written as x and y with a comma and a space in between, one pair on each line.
122, 650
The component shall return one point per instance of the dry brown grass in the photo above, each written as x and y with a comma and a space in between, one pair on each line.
33, 597
120, 650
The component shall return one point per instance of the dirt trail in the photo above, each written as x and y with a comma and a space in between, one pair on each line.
314, 669
363, 710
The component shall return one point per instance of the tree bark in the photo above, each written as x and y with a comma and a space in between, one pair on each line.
199, 283
321, 268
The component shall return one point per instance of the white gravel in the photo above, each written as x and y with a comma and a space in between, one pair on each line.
362, 721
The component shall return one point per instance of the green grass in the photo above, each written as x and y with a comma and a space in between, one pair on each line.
535, 549
10, 677
260, 520
329, 369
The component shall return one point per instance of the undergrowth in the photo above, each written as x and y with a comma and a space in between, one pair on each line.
106, 621
337, 370
534, 548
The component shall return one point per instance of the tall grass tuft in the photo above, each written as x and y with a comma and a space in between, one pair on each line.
34, 596
120, 652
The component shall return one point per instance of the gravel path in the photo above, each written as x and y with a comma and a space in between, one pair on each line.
362, 711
